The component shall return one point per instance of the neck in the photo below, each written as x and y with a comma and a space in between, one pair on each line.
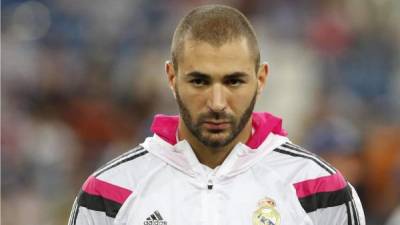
212, 157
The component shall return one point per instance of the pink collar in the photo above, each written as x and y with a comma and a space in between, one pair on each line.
263, 124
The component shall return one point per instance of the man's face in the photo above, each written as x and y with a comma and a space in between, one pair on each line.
216, 89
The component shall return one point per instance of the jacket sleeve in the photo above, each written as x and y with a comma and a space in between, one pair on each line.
86, 212
97, 203
348, 211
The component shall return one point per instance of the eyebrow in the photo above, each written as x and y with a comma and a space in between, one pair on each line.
197, 74
236, 75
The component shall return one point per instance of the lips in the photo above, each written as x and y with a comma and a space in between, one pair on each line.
213, 125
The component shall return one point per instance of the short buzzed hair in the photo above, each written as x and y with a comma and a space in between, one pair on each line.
216, 25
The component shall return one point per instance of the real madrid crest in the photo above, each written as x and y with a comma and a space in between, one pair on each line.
266, 214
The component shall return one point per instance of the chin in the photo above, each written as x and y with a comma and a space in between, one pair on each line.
216, 142
216, 136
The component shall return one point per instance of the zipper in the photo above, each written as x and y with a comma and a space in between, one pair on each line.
209, 215
210, 184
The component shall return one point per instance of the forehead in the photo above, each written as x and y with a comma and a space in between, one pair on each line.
230, 57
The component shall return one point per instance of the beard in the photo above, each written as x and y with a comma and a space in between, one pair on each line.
205, 136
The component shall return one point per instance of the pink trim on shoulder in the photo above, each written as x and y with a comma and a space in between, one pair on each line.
165, 127
263, 124
109, 191
322, 184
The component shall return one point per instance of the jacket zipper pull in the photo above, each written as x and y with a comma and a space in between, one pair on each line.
210, 184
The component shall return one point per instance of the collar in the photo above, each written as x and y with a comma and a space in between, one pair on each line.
268, 134
263, 124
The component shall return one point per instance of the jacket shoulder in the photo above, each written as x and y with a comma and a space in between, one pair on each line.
299, 164
318, 184
321, 189
109, 186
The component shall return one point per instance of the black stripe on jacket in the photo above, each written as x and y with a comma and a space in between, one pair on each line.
326, 199
98, 203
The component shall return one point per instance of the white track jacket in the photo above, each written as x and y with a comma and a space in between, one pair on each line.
266, 181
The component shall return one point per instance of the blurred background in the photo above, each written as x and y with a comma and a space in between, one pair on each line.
82, 80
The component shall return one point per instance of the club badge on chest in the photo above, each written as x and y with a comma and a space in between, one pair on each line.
266, 213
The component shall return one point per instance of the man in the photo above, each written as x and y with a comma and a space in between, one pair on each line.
218, 162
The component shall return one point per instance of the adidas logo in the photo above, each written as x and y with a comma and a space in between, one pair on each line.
155, 219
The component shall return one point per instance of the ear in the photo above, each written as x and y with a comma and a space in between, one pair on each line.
262, 77
171, 75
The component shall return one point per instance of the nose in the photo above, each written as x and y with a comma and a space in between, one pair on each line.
217, 98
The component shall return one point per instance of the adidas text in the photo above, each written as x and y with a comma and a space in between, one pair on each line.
155, 222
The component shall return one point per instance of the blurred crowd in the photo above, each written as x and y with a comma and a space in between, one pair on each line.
82, 80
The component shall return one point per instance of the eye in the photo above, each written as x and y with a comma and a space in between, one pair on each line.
234, 82
198, 82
